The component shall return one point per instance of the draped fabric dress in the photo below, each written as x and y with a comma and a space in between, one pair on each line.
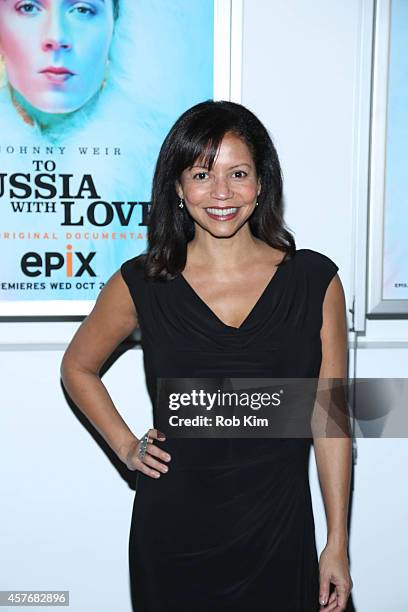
230, 527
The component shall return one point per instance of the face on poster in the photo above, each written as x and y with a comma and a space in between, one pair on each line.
88, 92
56, 52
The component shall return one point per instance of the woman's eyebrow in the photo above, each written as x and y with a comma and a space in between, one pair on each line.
230, 168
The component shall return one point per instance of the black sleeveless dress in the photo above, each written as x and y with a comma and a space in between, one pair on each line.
230, 527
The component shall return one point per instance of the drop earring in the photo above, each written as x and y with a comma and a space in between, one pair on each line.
181, 205
256, 204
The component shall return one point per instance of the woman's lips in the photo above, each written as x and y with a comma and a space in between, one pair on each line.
57, 74
223, 217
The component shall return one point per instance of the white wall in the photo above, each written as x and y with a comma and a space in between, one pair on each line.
65, 505
65, 509
298, 76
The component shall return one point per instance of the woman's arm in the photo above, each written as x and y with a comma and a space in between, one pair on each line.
112, 320
334, 454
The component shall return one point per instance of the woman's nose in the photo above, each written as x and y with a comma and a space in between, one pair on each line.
221, 188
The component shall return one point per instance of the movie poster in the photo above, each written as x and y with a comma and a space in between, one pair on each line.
88, 91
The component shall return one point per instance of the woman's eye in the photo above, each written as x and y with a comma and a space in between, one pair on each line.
240, 174
200, 175
27, 8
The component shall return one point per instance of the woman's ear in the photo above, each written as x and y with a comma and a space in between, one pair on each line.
179, 190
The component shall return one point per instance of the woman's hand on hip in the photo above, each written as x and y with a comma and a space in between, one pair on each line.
144, 455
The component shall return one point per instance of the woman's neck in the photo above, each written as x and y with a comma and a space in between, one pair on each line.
225, 253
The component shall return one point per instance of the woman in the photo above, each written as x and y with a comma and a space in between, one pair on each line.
223, 523
56, 55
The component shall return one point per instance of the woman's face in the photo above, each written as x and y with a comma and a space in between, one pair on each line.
56, 51
221, 201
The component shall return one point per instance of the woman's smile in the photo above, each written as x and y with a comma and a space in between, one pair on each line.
222, 214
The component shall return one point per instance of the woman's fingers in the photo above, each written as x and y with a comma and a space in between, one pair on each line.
156, 451
324, 589
331, 604
147, 451
155, 433
337, 601
342, 596
158, 465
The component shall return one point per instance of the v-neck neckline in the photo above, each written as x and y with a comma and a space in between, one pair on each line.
252, 311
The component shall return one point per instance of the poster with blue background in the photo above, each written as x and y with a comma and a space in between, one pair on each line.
88, 93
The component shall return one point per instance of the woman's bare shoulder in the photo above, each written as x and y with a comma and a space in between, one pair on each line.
112, 319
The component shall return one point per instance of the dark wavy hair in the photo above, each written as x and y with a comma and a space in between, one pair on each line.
197, 134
